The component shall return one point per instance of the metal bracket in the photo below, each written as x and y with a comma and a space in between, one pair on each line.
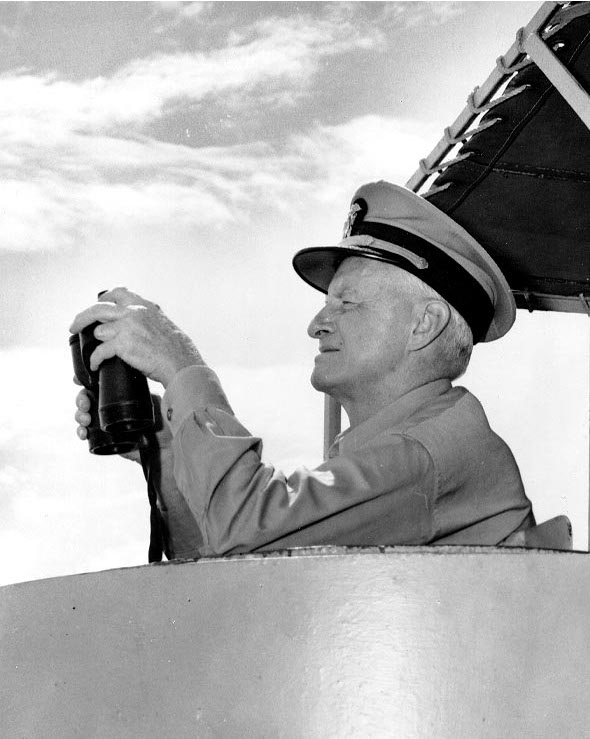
477, 109
443, 165
458, 139
505, 68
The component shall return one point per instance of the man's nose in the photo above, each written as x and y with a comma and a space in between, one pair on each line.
321, 323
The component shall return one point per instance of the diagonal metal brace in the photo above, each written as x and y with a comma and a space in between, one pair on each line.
559, 76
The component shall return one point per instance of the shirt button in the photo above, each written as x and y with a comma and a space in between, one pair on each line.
169, 414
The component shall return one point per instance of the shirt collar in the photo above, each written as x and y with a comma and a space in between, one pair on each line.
391, 415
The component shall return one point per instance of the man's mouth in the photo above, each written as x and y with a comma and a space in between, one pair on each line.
326, 349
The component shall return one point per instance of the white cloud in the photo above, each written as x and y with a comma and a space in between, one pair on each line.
169, 14
60, 195
337, 158
74, 159
273, 58
348, 16
418, 14
275, 53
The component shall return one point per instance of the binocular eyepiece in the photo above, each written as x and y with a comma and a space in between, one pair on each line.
121, 406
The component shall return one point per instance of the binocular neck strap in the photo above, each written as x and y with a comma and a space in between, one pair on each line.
158, 533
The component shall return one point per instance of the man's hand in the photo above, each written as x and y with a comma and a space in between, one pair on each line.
82, 415
138, 332
160, 442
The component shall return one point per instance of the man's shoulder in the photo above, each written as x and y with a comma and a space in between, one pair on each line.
455, 410
454, 426
439, 418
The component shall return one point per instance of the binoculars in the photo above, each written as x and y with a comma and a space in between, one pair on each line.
121, 407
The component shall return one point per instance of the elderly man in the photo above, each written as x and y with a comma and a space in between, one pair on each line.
408, 293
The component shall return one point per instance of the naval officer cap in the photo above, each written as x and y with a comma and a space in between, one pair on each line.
392, 224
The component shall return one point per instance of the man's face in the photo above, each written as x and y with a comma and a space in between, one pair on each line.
363, 329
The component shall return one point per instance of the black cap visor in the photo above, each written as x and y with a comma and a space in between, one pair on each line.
317, 266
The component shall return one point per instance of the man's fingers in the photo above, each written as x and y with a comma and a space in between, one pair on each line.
82, 432
123, 297
102, 352
82, 418
83, 401
98, 312
106, 331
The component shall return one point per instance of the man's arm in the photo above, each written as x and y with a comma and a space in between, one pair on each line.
382, 495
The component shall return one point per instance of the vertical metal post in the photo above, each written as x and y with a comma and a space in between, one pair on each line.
332, 422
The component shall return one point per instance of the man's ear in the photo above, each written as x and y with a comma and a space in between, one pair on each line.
431, 320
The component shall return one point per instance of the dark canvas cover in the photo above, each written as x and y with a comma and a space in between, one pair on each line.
524, 191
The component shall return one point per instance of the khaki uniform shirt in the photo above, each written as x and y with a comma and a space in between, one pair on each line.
425, 470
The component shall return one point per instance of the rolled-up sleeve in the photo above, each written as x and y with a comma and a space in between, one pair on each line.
383, 491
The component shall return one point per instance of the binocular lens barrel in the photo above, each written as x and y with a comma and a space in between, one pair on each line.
121, 405
124, 400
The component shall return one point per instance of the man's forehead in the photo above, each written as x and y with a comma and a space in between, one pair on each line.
363, 273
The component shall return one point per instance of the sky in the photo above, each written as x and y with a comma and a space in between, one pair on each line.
186, 151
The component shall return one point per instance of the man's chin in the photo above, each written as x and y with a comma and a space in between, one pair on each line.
320, 382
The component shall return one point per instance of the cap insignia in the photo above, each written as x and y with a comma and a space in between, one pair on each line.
358, 210
349, 223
